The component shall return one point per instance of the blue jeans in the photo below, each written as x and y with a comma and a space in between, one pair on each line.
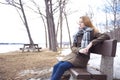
59, 69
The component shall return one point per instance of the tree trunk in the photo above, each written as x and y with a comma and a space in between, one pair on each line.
45, 29
68, 29
61, 22
51, 26
26, 24
43, 17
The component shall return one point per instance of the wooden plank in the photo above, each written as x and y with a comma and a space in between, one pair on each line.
107, 48
80, 73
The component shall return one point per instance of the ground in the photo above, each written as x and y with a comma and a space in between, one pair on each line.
27, 66
12, 64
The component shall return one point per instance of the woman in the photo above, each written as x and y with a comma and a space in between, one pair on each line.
86, 38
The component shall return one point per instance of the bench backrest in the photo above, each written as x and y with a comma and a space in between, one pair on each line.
107, 48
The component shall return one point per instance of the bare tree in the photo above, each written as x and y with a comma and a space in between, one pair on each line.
50, 25
61, 21
66, 19
62, 16
19, 5
60, 6
113, 8
26, 23
90, 12
68, 28
43, 17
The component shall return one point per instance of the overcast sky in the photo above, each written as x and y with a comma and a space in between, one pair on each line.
13, 30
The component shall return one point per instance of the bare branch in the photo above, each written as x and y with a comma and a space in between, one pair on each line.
38, 8
20, 16
15, 6
4, 3
12, 4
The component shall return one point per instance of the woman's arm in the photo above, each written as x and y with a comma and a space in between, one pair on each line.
98, 39
85, 50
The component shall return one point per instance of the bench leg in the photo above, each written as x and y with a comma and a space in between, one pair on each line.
107, 61
71, 78
23, 50
38, 50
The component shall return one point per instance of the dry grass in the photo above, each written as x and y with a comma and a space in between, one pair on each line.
12, 63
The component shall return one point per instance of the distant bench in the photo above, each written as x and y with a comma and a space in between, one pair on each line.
29, 47
108, 50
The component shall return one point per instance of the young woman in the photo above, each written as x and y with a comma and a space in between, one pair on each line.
86, 38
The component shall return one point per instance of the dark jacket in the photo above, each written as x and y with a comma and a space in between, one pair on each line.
81, 60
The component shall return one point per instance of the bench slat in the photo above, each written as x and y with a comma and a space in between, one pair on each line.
107, 48
80, 73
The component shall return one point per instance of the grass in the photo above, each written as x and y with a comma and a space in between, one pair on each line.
12, 63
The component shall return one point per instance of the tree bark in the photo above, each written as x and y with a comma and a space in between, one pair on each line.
51, 26
61, 22
26, 24
68, 29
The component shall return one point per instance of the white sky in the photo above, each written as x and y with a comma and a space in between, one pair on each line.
13, 30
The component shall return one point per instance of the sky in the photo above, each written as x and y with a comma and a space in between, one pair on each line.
13, 30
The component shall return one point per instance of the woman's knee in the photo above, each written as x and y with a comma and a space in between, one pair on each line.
56, 65
65, 65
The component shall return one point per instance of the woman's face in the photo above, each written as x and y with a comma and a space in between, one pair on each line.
82, 25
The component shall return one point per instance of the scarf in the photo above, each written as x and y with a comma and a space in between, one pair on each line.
86, 32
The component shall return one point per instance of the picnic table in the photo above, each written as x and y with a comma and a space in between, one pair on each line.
30, 47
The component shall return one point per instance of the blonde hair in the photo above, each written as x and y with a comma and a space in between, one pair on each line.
87, 22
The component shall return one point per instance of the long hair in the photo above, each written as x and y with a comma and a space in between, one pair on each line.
87, 22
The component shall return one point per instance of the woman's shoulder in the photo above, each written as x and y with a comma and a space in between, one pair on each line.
104, 35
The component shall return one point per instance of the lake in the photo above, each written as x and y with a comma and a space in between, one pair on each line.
8, 48
13, 47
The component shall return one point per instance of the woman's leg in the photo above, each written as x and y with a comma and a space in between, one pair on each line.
55, 67
61, 69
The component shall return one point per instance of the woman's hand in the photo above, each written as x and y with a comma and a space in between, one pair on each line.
89, 46
74, 49
85, 50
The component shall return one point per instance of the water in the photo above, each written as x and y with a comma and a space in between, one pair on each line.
14, 47
8, 48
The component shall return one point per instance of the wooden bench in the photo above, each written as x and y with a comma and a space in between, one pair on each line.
108, 50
